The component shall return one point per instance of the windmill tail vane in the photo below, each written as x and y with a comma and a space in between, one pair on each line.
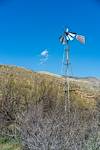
81, 38
70, 36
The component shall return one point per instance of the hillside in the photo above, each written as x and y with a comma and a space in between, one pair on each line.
21, 90
26, 82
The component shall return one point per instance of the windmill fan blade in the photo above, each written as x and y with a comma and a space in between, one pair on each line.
72, 34
62, 39
67, 38
66, 30
70, 37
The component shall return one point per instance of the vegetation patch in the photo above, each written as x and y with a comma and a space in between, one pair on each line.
9, 144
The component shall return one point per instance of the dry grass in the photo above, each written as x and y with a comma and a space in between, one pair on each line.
19, 88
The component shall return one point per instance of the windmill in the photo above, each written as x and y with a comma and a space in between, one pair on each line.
65, 38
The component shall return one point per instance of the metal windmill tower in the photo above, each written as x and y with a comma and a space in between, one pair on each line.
65, 39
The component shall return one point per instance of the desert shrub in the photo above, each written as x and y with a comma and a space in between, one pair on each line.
55, 130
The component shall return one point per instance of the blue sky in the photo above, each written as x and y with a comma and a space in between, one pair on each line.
27, 27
